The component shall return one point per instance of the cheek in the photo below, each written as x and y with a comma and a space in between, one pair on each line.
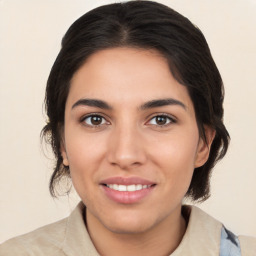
83, 148
176, 158
179, 148
85, 154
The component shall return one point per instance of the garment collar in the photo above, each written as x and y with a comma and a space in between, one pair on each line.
202, 236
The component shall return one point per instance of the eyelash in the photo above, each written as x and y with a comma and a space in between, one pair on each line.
83, 119
171, 120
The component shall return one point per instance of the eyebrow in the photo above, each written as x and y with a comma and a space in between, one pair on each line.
161, 103
150, 104
92, 103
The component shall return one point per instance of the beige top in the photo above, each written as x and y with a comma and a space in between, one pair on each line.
69, 237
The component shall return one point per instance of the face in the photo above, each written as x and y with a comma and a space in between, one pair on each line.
130, 139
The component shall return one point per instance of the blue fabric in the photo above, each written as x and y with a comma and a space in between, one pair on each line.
229, 244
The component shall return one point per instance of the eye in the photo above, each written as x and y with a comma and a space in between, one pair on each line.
94, 120
161, 120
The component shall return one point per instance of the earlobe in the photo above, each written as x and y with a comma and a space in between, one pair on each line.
63, 147
65, 159
203, 150
64, 154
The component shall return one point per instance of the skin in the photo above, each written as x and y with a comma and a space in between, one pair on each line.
130, 142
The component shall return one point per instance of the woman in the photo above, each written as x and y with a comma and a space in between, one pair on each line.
134, 101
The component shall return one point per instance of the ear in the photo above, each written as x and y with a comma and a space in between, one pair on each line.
203, 149
63, 150
64, 156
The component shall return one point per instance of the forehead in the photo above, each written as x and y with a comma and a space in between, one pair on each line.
126, 75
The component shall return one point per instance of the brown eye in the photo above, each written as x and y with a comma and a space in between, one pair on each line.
94, 120
161, 120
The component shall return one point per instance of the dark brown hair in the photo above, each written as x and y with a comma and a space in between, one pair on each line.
145, 25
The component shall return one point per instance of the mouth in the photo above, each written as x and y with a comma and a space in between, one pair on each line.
129, 188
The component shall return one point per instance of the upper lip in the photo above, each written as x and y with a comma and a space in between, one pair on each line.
127, 181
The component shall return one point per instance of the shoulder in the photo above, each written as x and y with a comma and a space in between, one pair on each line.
65, 237
248, 245
230, 243
202, 236
211, 236
46, 240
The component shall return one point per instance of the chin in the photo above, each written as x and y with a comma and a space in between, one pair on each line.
128, 228
129, 223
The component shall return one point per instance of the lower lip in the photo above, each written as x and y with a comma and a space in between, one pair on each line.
127, 197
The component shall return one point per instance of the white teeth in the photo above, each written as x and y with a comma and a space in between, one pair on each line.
122, 188
138, 187
129, 188
114, 186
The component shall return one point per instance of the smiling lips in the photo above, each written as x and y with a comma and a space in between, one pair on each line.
127, 190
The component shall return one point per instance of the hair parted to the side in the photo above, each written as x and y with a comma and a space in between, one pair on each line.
145, 25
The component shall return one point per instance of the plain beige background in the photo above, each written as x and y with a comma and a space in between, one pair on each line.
30, 35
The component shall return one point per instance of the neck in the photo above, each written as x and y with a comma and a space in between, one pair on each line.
161, 239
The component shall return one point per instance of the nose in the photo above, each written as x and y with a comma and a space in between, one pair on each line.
126, 148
